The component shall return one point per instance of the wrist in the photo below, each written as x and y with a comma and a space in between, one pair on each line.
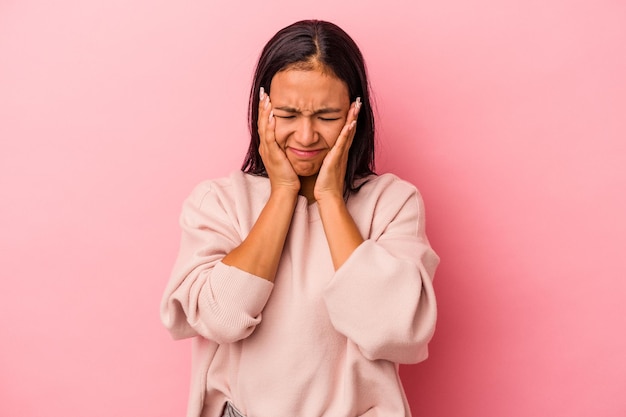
284, 195
330, 199
331, 202
285, 186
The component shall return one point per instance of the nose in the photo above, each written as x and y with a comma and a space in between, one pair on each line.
305, 134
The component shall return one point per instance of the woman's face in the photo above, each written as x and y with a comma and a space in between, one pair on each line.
311, 108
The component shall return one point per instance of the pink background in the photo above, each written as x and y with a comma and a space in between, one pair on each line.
509, 115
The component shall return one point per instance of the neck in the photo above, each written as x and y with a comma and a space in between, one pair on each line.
307, 187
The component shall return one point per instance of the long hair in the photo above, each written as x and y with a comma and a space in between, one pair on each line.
297, 46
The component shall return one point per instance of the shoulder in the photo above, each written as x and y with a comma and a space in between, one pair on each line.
232, 189
234, 200
387, 187
387, 203
383, 199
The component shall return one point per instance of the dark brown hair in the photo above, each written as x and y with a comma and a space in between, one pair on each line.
300, 45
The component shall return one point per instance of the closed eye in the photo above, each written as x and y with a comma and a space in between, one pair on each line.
329, 119
285, 117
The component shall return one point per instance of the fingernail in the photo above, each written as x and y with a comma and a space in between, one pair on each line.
357, 106
261, 93
271, 115
351, 127
267, 102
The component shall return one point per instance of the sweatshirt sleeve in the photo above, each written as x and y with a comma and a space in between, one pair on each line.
204, 296
382, 297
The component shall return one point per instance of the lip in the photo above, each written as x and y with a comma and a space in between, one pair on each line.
305, 154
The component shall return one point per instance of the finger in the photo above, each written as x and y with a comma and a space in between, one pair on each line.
356, 108
353, 112
350, 136
355, 116
264, 105
344, 141
270, 127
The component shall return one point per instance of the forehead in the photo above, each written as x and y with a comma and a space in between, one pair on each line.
305, 88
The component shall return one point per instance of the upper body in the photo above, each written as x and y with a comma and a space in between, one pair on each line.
305, 279
316, 341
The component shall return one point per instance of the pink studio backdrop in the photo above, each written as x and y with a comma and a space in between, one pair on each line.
508, 115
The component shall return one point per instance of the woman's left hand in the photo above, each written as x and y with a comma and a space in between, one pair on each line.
331, 178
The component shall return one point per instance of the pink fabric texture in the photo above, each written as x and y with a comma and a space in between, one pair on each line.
316, 342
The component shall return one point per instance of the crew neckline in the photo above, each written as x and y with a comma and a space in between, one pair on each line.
303, 206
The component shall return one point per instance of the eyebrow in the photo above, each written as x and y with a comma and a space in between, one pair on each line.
316, 112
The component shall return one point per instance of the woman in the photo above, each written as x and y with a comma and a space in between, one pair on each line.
304, 278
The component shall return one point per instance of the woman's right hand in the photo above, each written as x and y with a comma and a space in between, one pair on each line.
277, 166
261, 251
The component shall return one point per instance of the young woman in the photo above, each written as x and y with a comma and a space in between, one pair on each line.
304, 278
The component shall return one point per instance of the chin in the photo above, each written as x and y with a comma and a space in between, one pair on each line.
307, 174
306, 170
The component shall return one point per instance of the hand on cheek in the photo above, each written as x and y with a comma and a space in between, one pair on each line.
279, 170
330, 181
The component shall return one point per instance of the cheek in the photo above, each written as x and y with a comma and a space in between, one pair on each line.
281, 132
331, 133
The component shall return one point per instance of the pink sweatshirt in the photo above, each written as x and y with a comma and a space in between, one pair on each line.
316, 342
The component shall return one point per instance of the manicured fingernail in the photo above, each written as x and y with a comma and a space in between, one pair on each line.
351, 127
261, 93
271, 115
357, 106
267, 102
